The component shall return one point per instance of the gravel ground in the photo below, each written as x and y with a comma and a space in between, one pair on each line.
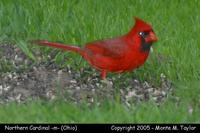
22, 80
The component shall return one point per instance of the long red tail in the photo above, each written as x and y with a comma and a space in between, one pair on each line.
59, 45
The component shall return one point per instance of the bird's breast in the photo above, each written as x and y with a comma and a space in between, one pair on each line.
134, 60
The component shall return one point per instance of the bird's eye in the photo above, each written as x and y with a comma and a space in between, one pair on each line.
143, 34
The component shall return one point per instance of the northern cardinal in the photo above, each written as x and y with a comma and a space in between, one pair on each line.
119, 54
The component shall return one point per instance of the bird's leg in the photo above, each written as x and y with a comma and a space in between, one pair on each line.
103, 74
107, 84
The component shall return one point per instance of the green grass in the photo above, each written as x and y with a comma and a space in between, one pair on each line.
176, 23
58, 112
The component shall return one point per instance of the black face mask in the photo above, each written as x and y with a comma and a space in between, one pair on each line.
145, 47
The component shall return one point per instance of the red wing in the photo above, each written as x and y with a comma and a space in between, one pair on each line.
113, 48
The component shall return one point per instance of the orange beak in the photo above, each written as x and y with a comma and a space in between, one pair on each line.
151, 38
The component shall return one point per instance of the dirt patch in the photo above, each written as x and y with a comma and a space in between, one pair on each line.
46, 80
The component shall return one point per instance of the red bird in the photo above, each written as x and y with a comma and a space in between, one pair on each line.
119, 54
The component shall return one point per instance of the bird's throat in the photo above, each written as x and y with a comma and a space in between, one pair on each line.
145, 47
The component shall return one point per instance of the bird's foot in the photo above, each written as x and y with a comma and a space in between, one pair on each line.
107, 83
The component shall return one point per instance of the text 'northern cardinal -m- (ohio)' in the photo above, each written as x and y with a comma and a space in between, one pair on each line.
120, 54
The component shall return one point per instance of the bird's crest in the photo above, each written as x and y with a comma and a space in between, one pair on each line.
140, 25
